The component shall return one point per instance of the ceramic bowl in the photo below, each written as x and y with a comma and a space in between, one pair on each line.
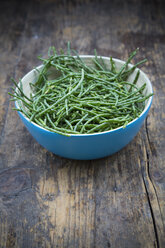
87, 146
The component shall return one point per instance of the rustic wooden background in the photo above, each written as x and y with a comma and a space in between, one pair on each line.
49, 201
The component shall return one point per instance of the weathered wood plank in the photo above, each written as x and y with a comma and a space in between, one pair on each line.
156, 142
48, 201
148, 40
9, 51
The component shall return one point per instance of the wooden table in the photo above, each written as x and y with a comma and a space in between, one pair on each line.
49, 201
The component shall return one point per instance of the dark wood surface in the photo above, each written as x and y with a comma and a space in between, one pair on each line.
49, 201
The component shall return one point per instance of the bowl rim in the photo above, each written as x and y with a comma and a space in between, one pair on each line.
147, 106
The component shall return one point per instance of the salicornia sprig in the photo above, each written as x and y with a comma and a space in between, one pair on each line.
72, 97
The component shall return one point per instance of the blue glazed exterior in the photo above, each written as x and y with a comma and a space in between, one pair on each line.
85, 147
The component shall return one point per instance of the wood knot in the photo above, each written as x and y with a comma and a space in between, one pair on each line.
14, 180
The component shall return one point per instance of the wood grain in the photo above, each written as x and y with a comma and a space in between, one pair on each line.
49, 201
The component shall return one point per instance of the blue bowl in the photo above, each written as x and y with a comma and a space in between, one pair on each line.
87, 146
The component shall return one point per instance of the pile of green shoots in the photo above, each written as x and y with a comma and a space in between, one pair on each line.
81, 99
